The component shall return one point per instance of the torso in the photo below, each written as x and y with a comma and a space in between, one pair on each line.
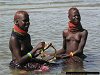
72, 40
24, 43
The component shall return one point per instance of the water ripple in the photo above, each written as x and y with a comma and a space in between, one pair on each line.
48, 19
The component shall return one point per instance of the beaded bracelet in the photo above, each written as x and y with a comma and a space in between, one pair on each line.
29, 54
71, 53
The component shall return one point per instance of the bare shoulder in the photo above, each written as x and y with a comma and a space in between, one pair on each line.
65, 31
84, 32
13, 39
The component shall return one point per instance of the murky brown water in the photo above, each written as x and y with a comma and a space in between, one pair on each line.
48, 19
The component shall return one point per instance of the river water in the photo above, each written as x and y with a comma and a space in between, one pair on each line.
48, 19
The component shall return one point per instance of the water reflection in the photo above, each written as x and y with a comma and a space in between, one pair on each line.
73, 64
18, 72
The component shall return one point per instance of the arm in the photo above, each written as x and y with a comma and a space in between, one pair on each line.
16, 51
15, 48
82, 42
63, 50
32, 54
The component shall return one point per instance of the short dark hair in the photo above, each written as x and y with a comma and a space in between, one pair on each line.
19, 12
72, 8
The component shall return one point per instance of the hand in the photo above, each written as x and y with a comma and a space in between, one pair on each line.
71, 54
43, 45
40, 45
36, 51
47, 45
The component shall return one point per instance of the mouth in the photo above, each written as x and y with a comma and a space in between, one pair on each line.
25, 28
76, 20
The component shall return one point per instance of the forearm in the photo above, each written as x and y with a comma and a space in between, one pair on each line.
58, 52
32, 54
25, 59
61, 51
78, 52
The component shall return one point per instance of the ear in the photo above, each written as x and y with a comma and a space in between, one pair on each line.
16, 22
69, 17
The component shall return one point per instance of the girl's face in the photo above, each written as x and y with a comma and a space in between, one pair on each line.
74, 16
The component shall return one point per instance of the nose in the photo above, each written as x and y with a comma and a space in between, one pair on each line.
26, 26
27, 23
76, 17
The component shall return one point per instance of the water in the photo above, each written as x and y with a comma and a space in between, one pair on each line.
48, 19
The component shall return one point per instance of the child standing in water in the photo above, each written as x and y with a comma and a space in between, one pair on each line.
74, 38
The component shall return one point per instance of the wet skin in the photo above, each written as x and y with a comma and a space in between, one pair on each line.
20, 44
74, 41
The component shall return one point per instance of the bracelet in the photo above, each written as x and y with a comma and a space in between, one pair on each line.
29, 54
71, 53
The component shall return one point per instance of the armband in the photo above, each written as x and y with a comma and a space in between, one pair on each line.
29, 54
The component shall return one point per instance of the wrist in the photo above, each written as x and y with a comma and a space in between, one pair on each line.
71, 54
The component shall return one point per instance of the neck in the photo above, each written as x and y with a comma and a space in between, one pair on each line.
18, 30
72, 27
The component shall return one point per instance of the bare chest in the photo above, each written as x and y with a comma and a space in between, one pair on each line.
76, 37
25, 44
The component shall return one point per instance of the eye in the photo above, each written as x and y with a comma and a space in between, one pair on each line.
26, 20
